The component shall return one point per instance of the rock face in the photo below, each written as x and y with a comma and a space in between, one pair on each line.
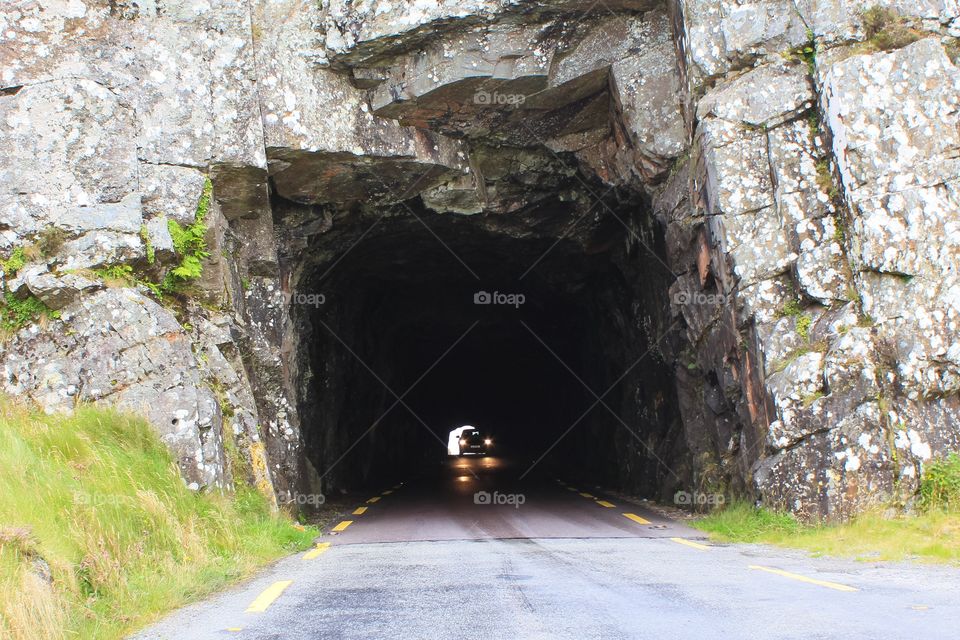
789, 172
121, 347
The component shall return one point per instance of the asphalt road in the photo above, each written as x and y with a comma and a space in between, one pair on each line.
436, 558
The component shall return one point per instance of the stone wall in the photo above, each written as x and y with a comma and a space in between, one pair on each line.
822, 170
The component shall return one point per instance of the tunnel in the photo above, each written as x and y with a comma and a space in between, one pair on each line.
549, 330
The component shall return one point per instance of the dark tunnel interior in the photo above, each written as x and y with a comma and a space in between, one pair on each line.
432, 322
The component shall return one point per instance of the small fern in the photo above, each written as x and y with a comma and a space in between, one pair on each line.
190, 244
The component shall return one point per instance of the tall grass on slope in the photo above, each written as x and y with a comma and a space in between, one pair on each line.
930, 534
99, 535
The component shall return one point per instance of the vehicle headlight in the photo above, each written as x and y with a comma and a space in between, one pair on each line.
463, 442
488, 442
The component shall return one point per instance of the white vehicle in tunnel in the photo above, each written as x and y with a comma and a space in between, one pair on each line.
467, 440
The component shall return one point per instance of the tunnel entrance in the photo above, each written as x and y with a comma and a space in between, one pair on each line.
548, 329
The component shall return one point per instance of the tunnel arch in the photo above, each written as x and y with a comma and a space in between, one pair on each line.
581, 313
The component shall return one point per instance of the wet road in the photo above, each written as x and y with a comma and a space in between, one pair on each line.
437, 558
476, 498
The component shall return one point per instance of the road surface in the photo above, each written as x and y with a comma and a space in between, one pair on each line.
436, 559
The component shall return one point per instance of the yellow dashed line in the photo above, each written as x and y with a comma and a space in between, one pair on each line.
266, 598
636, 518
373, 499
387, 492
604, 503
795, 576
234, 629
359, 511
397, 486
316, 551
343, 525
571, 489
690, 543
586, 495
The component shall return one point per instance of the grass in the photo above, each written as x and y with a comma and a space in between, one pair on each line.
931, 535
101, 536
16, 313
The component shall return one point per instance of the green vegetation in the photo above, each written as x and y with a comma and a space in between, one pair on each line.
190, 244
16, 313
839, 231
813, 121
147, 244
810, 398
50, 241
803, 324
887, 30
123, 275
742, 522
791, 309
952, 47
932, 534
100, 535
825, 181
47, 243
940, 487
807, 52
12, 265
821, 346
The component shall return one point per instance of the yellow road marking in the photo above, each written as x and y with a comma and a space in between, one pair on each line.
636, 518
571, 489
585, 494
387, 492
373, 499
316, 551
359, 511
397, 486
604, 503
796, 576
343, 525
266, 598
234, 629
691, 543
